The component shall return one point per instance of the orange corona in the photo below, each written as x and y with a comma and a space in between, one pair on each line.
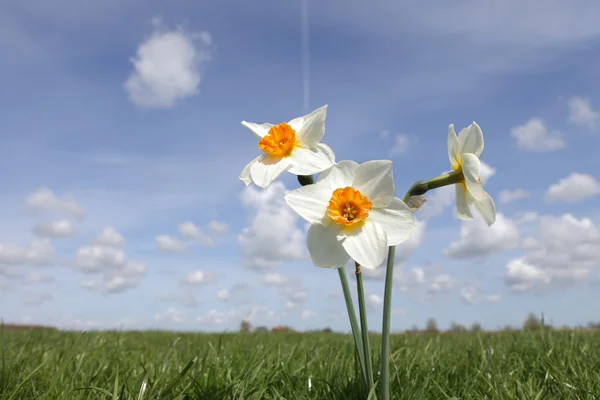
348, 207
280, 140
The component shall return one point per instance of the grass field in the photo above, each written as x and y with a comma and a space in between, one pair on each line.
165, 365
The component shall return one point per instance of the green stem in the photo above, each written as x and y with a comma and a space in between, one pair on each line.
353, 322
364, 327
308, 180
417, 189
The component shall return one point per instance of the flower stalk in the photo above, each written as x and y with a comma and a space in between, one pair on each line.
417, 189
364, 327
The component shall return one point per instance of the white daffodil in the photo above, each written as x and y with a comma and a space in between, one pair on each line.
464, 152
290, 146
353, 213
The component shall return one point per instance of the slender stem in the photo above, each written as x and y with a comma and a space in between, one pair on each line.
308, 180
353, 322
363, 327
417, 189
385, 329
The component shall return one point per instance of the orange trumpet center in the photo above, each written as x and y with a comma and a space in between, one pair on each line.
348, 207
280, 140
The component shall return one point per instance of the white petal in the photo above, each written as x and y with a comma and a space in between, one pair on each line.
259, 130
267, 168
307, 161
470, 140
471, 167
462, 207
340, 175
396, 220
452, 146
324, 248
310, 202
310, 128
245, 175
367, 245
486, 208
375, 180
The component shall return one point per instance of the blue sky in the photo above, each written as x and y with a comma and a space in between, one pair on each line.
121, 204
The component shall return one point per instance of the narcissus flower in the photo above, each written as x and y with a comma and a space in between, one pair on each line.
290, 146
353, 213
464, 152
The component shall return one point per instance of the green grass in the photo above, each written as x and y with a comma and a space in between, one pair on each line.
110, 365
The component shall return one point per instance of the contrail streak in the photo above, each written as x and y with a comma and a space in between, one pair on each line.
305, 55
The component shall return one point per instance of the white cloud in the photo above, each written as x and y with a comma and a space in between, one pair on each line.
223, 295
471, 294
118, 272
574, 188
214, 317
197, 277
374, 301
535, 136
218, 228
37, 299
275, 279
170, 244
509, 196
110, 238
424, 282
39, 252
45, 199
477, 239
171, 315
189, 230
566, 251
493, 298
185, 299
581, 113
55, 229
525, 218
402, 143
36, 277
167, 67
272, 236
384, 133
306, 314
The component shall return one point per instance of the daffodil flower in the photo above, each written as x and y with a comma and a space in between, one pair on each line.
353, 214
464, 152
290, 146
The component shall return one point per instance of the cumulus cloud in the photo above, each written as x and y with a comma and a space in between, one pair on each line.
39, 252
118, 272
171, 315
214, 317
534, 136
272, 236
374, 301
45, 199
223, 295
218, 228
36, 277
574, 188
185, 299
61, 228
189, 230
566, 251
275, 279
402, 143
424, 282
170, 244
582, 114
509, 196
167, 67
110, 238
37, 299
477, 239
197, 277
306, 314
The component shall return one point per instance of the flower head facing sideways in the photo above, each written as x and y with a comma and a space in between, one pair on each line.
464, 151
353, 214
289, 146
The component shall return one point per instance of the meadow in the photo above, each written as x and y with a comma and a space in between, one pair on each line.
51, 364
